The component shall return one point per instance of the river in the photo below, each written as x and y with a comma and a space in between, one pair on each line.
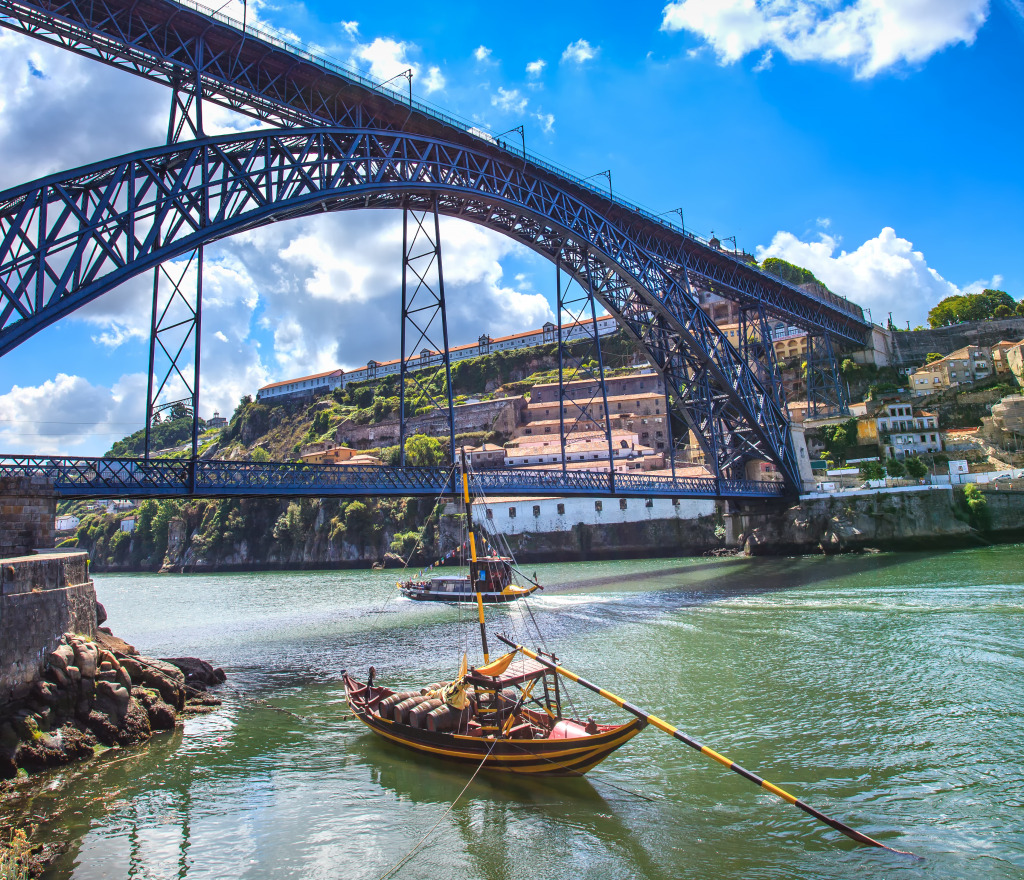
885, 689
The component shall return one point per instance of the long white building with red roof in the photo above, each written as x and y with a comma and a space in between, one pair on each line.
328, 381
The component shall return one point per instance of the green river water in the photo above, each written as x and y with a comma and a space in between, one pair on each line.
886, 689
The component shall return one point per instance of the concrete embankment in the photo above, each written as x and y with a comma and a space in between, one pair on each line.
932, 518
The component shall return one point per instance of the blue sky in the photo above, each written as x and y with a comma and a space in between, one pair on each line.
876, 142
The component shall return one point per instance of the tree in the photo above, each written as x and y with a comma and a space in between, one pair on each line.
1002, 311
895, 468
932, 357
358, 522
423, 451
259, 454
180, 410
872, 470
969, 307
789, 272
916, 468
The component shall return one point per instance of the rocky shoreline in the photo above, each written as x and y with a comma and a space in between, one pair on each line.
94, 694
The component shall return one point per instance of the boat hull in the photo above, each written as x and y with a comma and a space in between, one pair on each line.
573, 756
457, 597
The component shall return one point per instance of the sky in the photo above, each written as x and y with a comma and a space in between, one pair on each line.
878, 143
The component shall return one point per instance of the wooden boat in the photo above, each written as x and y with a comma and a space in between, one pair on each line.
490, 578
502, 725
504, 715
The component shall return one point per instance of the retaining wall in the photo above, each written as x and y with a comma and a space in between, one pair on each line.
41, 598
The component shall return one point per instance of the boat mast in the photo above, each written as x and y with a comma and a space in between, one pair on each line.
472, 554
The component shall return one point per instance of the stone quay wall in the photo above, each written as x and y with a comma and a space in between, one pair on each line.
41, 598
28, 506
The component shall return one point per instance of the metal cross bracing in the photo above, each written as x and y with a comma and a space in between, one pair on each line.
259, 73
424, 316
176, 324
70, 237
169, 478
826, 392
577, 315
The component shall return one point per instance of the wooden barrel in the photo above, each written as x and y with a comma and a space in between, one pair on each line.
433, 687
417, 715
401, 715
444, 717
387, 705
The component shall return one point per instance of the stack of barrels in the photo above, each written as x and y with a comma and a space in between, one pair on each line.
424, 712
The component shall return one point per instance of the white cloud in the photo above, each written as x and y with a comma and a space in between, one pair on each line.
481, 53
509, 100
765, 63
385, 58
868, 35
68, 414
535, 68
350, 27
884, 274
434, 80
580, 52
546, 120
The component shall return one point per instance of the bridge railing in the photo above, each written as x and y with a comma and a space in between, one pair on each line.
296, 47
163, 478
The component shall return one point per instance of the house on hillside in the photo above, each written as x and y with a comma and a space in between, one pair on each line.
965, 366
899, 430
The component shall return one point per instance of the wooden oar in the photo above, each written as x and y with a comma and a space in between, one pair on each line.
852, 833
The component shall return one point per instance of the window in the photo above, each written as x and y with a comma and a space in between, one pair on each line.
490, 513
649, 502
511, 513
933, 438
598, 506
622, 504
675, 502
561, 510
536, 510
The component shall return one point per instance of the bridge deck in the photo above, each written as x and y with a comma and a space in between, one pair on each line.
170, 478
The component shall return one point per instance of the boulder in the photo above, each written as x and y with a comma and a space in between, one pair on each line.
44, 693
86, 657
168, 680
196, 671
101, 614
74, 675
112, 700
77, 744
61, 658
113, 644
161, 716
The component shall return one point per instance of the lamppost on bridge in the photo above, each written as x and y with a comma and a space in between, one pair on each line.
405, 74
518, 130
678, 211
607, 173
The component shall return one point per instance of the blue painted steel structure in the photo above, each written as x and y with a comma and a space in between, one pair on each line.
159, 478
69, 238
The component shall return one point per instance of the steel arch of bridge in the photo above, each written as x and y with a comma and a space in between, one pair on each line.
68, 238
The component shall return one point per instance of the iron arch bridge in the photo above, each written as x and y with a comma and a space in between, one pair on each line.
72, 237
345, 143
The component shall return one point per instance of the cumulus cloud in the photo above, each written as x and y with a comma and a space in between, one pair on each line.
69, 414
385, 58
350, 27
509, 100
580, 52
869, 36
481, 53
885, 273
535, 68
546, 120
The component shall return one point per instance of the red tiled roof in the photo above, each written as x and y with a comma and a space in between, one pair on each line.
301, 379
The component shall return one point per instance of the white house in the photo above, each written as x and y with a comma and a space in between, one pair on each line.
66, 523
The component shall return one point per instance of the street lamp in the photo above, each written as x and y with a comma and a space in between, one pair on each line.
518, 130
607, 174
678, 211
405, 74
